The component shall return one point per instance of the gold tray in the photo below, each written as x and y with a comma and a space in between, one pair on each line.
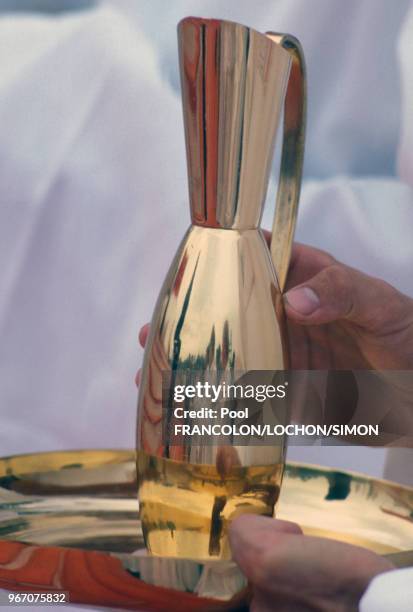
69, 520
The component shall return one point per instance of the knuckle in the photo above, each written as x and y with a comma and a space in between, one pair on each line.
338, 286
338, 276
392, 310
328, 259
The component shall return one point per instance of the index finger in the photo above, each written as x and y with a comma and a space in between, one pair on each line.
306, 262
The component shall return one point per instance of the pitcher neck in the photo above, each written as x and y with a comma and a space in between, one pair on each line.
233, 82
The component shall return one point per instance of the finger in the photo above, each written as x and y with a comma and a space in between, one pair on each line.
306, 261
138, 377
265, 602
339, 292
250, 533
301, 559
272, 557
246, 522
143, 334
299, 345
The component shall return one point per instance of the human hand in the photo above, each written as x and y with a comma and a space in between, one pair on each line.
293, 572
340, 318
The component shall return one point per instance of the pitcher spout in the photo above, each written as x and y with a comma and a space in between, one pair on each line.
233, 83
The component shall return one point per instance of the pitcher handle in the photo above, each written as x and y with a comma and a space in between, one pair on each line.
292, 157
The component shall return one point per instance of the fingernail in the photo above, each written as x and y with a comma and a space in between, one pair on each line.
303, 300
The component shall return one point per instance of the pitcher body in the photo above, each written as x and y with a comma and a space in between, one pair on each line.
220, 309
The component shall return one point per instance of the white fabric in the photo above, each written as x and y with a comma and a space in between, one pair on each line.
389, 591
90, 180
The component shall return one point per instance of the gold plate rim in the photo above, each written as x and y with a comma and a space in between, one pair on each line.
129, 452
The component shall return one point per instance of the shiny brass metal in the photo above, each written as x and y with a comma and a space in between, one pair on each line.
234, 81
292, 158
86, 501
220, 308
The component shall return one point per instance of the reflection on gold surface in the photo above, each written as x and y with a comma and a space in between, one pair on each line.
94, 492
220, 308
78, 507
192, 520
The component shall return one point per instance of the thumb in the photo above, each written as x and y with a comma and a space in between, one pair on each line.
339, 292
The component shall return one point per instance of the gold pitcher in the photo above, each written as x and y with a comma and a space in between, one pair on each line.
220, 307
